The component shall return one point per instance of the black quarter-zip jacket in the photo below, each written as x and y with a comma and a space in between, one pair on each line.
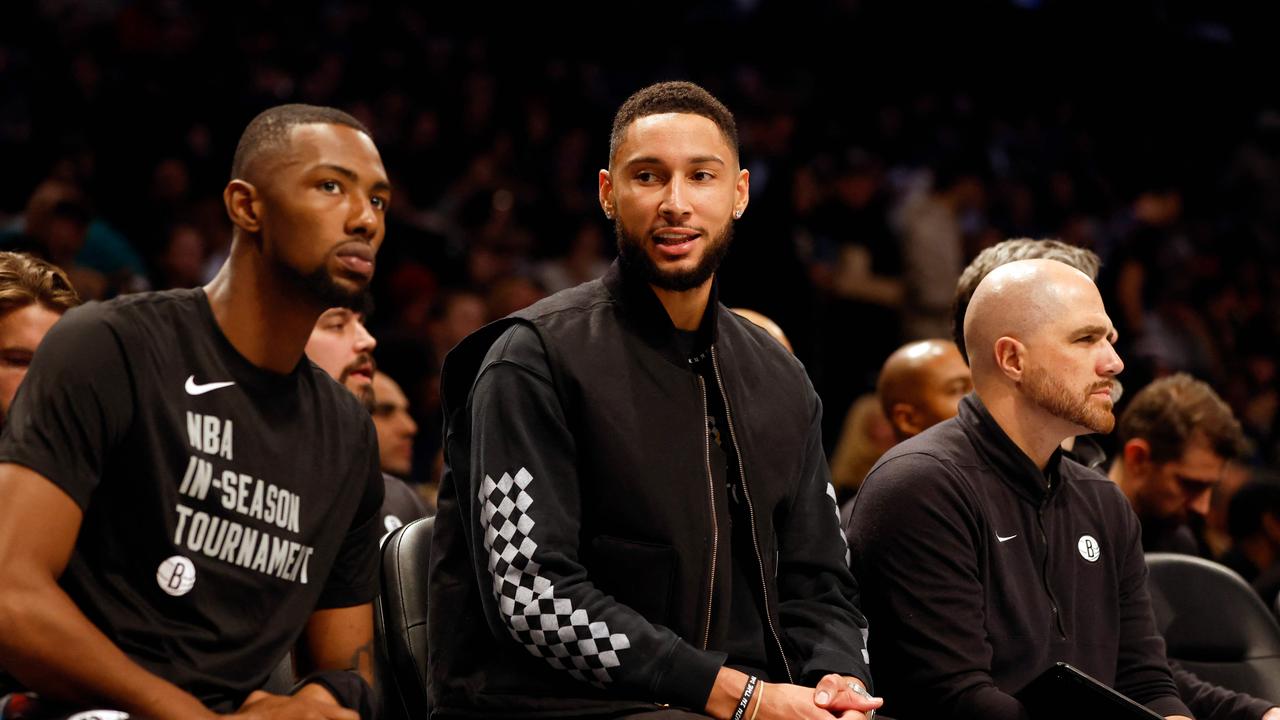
979, 571
580, 565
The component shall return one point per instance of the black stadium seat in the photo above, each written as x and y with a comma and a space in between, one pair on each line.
1214, 624
403, 617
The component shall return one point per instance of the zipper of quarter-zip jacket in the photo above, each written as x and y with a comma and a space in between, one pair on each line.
751, 514
1053, 602
715, 527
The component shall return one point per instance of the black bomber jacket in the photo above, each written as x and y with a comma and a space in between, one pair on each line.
578, 564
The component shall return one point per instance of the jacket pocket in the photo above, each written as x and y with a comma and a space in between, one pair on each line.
637, 574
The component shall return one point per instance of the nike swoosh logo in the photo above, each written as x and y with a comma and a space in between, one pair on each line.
1006, 539
194, 389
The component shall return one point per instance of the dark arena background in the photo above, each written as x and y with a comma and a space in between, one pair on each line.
887, 142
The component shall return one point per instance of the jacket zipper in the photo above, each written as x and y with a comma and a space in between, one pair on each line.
1044, 572
715, 528
751, 514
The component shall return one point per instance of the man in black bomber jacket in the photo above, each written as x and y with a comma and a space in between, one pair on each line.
637, 511
986, 554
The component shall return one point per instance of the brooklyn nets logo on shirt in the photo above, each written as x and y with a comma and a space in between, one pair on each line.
176, 576
1089, 549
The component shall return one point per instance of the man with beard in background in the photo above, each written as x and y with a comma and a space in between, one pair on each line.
341, 345
985, 555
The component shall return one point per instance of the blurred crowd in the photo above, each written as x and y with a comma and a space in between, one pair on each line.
868, 197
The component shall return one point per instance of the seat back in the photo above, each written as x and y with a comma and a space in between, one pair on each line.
403, 616
1214, 624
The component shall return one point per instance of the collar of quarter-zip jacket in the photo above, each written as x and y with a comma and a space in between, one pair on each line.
1013, 466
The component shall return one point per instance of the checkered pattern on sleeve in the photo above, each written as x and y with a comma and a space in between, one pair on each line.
831, 493
548, 626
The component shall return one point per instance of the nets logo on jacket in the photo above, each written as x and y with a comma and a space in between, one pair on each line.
1089, 548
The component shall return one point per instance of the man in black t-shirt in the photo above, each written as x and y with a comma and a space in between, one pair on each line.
183, 496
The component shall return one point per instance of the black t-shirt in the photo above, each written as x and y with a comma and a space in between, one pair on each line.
222, 503
746, 644
400, 505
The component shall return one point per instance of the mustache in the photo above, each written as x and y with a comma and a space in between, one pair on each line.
1112, 386
362, 361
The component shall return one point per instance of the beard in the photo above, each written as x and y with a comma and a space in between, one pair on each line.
635, 258
1051, 394
364, 390
320, 286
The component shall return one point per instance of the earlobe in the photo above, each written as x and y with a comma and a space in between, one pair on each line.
743, 191
904, 419
241, 200
1009, 357
1137, 453
1271, 526
606, 194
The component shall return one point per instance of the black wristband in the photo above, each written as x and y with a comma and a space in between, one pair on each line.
747, 692
347, 687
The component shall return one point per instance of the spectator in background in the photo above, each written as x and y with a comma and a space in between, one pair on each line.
56, 225
341, 346
510, 294
1175, 439
33, 296
395, 425
103, 260
396, 431
181, 263
456, 314
1253, 520
921, 385
584, 261
865, 436
855, 261
769, 326
931, 236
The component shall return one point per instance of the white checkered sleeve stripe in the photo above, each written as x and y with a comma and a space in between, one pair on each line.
831, 493
548, 626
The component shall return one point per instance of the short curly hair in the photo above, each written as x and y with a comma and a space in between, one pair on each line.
672, 97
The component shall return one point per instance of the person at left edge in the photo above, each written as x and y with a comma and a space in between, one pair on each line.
183, 496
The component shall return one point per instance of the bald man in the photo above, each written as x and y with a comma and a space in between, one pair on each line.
983, 554
921, 384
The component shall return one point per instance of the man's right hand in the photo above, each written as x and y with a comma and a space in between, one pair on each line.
265, 706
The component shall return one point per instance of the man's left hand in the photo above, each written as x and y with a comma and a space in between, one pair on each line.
1272, 714
845, 697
